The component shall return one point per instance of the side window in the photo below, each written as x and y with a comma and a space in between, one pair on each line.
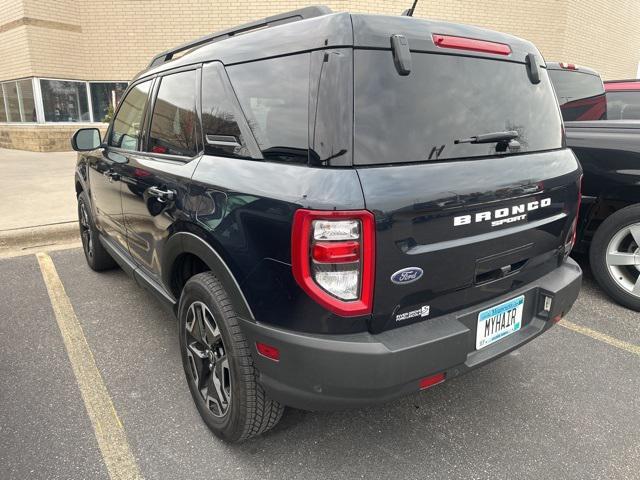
623, 105
174, 119
274, 95
220, 116
127, 125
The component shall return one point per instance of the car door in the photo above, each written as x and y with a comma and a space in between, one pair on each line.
105, 167
155, 181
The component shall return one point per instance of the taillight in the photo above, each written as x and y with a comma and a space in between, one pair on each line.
574, 226
332, 257
568, 66
463, 43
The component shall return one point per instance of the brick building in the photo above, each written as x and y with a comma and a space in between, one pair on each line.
63, 62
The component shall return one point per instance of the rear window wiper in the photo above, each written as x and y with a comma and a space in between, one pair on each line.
494, 137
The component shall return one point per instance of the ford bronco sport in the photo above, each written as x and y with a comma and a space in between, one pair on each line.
340, 209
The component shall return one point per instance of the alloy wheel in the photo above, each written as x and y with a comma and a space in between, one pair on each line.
209, 365
623, 258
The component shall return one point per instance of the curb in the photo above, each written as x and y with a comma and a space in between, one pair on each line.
41, 236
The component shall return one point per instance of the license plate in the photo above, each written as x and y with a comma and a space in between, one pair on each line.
497, 322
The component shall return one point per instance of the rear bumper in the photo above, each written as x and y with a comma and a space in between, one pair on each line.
325, 372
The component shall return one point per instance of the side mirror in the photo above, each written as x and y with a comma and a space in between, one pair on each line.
86, 139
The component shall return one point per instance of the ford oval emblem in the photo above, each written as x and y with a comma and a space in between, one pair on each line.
407, 275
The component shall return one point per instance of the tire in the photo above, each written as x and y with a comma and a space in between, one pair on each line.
97, 257
615, 256
238, 408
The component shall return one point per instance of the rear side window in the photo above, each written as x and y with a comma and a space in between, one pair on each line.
220, 116
174, 120
127, 126
274, 95
446, 98
623, 105
581, 95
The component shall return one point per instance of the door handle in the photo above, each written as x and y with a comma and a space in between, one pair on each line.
162, 195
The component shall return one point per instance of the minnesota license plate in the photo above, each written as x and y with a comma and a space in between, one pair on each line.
497, 322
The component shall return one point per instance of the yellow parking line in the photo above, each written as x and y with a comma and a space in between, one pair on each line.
614, 342
107, 427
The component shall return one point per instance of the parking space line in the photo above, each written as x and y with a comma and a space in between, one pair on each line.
614, 342
108, 429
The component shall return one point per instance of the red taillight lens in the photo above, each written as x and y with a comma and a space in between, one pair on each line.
463, 43
336, 252
432, 380
568, 66
332, 258
272, 353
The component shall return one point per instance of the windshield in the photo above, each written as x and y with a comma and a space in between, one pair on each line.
581, 95
445, 98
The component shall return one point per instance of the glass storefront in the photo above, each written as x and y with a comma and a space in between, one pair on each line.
61, 100
104, 95
65, 101
17, 101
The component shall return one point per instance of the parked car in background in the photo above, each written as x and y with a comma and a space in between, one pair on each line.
579, 90
609, 151
623, 99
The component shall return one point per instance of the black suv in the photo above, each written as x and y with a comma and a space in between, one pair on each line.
340, 209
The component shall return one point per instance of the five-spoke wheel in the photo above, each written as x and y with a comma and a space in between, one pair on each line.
614, 256
218, 363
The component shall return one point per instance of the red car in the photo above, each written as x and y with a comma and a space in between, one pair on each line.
623, 99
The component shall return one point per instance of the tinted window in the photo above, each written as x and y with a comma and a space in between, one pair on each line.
418, 117
174, 120
623, 105
220, 115
127, 126
581, 95
274, 95
64, 101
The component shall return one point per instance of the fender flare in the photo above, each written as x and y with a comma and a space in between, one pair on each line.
186, 242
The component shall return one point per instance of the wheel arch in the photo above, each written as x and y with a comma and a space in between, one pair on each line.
183, 246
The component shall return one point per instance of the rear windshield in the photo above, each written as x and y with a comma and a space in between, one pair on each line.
445, 98
581, 95
623, 105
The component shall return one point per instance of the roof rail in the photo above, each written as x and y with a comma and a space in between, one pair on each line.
280, 19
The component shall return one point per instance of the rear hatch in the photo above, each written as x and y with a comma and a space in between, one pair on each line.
477, 219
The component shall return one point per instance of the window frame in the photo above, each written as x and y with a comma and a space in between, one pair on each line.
38, 81
89, 83
109, 133
151, 102
241, 119
39, 100
36, 100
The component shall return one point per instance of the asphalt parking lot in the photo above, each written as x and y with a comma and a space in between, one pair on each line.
564, 406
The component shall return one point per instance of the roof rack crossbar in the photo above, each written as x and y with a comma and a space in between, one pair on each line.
272, 21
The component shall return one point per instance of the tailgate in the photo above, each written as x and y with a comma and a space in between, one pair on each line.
477, 229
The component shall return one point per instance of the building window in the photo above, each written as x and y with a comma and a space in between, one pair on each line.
65, 101
103, 96
16, 101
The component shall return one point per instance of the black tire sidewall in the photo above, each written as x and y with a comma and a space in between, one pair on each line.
598, 251
229, 426
83, 200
